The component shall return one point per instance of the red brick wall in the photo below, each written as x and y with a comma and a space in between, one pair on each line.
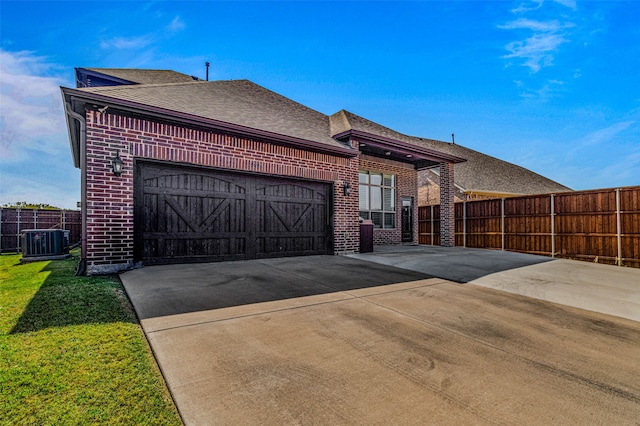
109, 201
447, 211
406, 186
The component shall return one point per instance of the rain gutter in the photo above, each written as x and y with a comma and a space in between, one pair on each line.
79, 147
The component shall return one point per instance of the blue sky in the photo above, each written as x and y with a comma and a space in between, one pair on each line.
553, 86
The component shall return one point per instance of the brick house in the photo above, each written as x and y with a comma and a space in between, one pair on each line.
225, 170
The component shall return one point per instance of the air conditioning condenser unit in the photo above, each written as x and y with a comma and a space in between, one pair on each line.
44, 243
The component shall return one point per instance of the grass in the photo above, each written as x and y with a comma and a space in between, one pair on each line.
72, 351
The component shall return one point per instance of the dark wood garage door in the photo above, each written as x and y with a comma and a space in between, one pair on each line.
185, 214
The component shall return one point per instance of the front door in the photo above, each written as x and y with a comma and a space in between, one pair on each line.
407, 219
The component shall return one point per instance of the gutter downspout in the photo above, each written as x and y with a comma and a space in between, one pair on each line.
82, 266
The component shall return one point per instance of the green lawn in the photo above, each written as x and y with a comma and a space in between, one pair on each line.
72, 351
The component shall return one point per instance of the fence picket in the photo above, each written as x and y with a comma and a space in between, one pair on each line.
13, 221
598, 225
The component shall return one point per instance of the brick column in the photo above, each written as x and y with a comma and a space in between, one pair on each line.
447, 207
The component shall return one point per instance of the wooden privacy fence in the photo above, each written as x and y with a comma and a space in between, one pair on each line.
599, 225
13, 221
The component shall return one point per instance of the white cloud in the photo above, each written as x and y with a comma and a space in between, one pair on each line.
605, 135
524, 7
537, 4
624, 171
569, 3
127, 43
176, 25
36, 164
141, 42
31, 113
536, 50
547, 91
531, 24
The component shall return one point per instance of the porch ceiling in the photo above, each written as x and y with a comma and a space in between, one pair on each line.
397, 154
380, 146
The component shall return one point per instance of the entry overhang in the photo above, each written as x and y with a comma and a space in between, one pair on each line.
380, 146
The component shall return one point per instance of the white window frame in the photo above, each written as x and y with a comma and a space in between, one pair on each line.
378, 194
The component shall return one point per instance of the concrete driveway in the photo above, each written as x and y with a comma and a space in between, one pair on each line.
339, 340
600, 288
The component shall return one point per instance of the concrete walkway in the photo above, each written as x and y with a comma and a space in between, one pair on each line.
600, 288
335, 340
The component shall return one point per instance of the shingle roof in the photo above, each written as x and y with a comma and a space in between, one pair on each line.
145, 76
483, 172
238, 102
247, 104
480, 172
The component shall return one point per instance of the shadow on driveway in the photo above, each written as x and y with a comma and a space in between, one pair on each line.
458, 264
176, 289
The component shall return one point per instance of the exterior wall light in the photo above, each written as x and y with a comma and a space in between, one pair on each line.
346, 188
117, 164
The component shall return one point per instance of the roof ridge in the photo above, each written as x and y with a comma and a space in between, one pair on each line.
338, 123
131, 69
137, 86
148, 85
381, 126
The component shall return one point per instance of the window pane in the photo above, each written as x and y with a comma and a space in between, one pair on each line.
389, 180
389, 220
376, 178
364, 197
389, 200
364, 215
363, 177
376, 218
376, 198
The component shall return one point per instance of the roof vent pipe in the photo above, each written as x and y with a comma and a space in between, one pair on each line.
206, 64
453, 139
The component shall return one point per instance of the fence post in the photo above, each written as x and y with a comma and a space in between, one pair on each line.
35, 219
618, 228
18, 233
464, 224
1, 210
431, 227
553, 226
502, 222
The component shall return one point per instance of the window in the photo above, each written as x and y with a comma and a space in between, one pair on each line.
378, 199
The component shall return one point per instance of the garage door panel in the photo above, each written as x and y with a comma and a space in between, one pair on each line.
168, 249
193, 184
267, 247
186, 215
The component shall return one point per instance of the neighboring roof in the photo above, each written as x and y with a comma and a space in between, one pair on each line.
142, 76
484, 173
480, 173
